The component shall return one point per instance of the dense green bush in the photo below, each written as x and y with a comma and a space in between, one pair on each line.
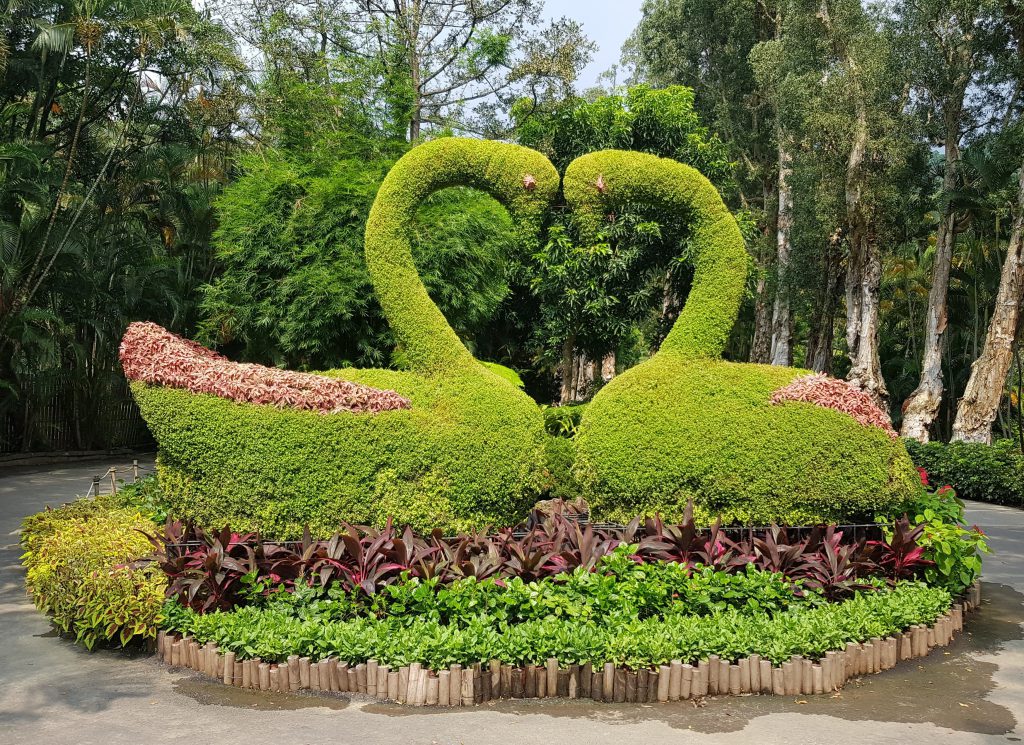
79, 561
273, 634
988, 473
685, 424
469, 452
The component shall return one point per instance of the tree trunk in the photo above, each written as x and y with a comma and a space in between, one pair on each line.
864, 271
922, 406
821, 339
566, 367
980, 403
608, 367
782, 321
761, 345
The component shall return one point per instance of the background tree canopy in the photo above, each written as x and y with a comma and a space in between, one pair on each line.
211, 170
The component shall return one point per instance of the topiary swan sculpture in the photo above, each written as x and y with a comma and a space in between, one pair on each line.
446, 443
450, 444
752, 443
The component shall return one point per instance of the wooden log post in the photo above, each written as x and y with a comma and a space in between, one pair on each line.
817, 679
518, 687
631, 684
530, 681
779, 679
371, 678
642, 676
675, 682
551, 671
766, 676
495, 678
735, 685
574, 681
229, 668
433, 690
703, 678
264, 676
686, 682
393, 679
664, 676
586, 678
608, 685
467, 688
619, 685
745, 676
715, 668
403, 684
597, 685
455, 685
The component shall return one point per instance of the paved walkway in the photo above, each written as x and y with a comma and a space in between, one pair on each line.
54, 692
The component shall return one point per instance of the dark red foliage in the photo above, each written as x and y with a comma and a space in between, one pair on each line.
151, 354
206, 569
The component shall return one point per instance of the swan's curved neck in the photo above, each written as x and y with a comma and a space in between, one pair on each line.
594, 183
523, 180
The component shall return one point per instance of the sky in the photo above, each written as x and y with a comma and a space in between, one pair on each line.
607, 22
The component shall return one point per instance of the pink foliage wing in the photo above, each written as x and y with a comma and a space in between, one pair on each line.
151, 354
839, 395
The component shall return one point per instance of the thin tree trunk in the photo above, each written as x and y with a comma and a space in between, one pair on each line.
821, 339
760, 348
782, 321
608, 367
864, 272
568, 357
980, 403
922, 406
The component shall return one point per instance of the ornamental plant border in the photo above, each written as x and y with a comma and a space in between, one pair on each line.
414, 685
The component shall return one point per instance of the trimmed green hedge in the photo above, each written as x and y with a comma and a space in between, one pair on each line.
469, 453
988, 473
686, 425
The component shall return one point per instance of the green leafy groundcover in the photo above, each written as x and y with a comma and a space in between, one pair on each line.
731, 631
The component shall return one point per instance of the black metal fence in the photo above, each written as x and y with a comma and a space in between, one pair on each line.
56, 411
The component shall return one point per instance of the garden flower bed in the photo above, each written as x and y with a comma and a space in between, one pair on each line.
649, 611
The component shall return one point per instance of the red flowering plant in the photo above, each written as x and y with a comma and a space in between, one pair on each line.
151, 354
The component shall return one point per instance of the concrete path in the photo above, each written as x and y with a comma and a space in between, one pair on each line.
54, 692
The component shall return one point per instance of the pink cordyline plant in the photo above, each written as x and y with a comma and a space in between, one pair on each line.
840, 395
151, 354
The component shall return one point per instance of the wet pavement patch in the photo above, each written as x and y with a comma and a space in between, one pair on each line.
206, 691
948, 688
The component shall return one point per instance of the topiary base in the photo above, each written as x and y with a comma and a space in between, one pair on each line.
415, 685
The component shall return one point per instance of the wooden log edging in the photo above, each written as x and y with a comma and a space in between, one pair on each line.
475, 684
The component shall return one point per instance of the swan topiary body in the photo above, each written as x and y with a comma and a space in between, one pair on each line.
686, 424
466, 451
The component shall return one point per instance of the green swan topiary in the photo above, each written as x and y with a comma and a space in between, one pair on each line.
460, 447
687, 425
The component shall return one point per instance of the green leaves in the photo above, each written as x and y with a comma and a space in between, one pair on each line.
273, 633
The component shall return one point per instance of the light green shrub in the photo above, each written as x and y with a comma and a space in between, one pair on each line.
79, 561
687, 425
468, 453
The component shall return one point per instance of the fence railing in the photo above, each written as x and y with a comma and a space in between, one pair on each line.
56, 411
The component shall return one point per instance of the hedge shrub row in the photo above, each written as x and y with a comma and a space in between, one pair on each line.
988, 473
80, 571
